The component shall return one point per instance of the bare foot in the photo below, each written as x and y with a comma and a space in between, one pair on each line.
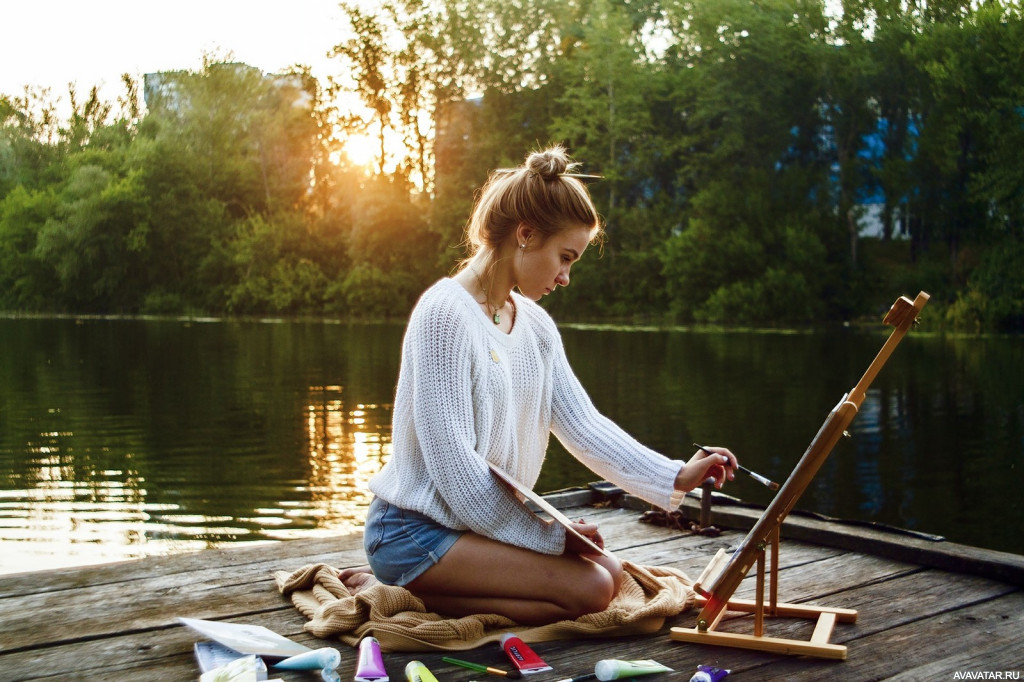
357, 579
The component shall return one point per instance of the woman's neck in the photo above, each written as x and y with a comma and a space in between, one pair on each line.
490, 286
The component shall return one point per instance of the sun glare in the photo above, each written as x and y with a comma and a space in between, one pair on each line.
361, 150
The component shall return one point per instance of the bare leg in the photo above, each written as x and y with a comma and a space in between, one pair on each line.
479, 575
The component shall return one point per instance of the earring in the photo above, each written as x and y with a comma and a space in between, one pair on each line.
522, 246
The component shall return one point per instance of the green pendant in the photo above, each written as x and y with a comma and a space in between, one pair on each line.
496, 318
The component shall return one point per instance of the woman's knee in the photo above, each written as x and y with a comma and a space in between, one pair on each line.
593, 594
614, 568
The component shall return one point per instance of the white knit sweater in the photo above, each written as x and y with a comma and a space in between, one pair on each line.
467, 392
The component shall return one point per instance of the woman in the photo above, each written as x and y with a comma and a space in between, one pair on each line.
484, 378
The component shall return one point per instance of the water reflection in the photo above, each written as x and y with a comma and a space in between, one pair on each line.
346, 447
129, 438
69, 512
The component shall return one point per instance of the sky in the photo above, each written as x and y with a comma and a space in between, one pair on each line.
50, 43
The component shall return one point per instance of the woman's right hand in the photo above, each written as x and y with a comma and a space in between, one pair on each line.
714, 462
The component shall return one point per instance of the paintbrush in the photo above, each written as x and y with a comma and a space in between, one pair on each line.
771, 485
511, 674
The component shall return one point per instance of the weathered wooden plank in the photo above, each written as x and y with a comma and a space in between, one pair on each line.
106, 608
212, 590
216, 591
128, 638
164, 653
981, 636
897, 604
985, 638
894, 543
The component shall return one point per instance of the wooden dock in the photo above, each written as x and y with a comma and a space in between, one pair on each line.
928, 609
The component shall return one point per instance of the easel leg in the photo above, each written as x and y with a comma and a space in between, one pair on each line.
759, 609
774, 584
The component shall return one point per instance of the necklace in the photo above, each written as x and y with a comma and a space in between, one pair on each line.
495, 312
496, 317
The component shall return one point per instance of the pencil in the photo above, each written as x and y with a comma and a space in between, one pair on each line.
771, 485
511, 674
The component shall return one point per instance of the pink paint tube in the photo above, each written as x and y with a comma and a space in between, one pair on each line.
523, 657
371, 664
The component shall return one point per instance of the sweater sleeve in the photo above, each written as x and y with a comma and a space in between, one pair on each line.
446, 369
605, 447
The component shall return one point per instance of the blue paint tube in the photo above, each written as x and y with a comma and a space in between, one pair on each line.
317, 659
708, 673
371, 664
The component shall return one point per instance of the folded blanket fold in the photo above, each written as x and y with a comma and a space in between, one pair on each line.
400, 622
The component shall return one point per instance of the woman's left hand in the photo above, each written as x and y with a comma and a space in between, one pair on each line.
587, 530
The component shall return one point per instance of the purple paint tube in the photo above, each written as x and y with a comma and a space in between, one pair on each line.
371, 664
708, 673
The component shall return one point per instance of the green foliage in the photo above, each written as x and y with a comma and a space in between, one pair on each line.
729, 136
276, 271
994, 298
25, 279
89, 239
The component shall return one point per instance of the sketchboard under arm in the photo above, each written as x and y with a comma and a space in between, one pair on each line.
546, 506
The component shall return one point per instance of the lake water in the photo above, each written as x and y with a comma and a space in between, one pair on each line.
128, 438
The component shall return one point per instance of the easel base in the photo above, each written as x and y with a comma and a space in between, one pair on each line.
770, 644
818, 645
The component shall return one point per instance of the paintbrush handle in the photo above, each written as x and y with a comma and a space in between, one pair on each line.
757, 477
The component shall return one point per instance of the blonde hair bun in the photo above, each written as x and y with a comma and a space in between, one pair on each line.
550, 163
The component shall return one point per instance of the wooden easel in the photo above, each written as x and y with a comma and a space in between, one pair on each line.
718, 582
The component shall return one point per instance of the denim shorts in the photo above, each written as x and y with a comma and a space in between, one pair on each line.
402, 544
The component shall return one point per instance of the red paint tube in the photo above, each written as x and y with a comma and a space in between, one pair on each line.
523, 657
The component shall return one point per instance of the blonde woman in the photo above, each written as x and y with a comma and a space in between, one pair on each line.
484, 378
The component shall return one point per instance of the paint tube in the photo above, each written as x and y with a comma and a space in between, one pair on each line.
317, 659
371, 664
709, 673
613, 669
417, 672
523, 657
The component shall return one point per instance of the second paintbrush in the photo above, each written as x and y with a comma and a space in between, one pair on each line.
511, 674
771, 485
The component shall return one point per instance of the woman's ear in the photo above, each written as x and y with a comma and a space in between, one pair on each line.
524, 233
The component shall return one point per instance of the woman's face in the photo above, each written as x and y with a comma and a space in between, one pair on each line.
545, 264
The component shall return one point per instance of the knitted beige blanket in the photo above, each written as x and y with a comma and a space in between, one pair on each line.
400, 622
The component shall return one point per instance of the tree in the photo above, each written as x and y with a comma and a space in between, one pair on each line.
26, 280
371, 68
89, 239
755, 243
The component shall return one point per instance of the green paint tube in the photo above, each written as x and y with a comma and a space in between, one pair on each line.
613, 669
